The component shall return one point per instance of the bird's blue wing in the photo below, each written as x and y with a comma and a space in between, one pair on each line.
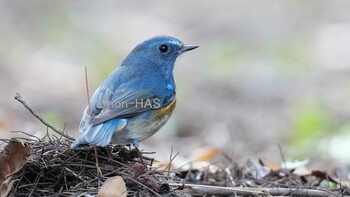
110, 102
126, 103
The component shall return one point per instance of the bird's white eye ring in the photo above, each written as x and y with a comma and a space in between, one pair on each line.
163, 48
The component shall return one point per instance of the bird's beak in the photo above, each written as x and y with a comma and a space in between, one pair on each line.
186, 48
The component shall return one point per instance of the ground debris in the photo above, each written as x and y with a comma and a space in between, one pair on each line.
12, 159
253, 178
54, 169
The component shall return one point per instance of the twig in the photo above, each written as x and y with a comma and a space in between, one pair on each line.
171, 159
282, 156
19, 98
171, 155
149, 189
98, 170
214, 190
229, 174
30, 135
35, 183
87, 87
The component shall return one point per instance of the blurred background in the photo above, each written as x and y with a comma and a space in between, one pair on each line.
267, 74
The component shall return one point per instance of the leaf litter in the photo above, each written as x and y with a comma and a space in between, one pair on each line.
49, 167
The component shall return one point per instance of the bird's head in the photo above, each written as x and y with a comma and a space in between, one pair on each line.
160, 51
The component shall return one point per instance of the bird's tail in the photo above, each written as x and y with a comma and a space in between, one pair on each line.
100, 134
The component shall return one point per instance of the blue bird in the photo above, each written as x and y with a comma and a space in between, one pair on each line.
136, 99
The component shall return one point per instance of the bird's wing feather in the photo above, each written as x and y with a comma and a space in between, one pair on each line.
125, 103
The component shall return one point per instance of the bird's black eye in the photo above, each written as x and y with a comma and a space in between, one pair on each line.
163, 48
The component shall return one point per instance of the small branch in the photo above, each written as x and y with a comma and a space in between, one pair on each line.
299, 192
30, 135
282, 157
215, 190
19, 98
87, 87
171, 159
171, 156
144, 186
201, 190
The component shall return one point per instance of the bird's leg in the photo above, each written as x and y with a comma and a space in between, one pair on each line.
109, 150
136, 143
140, 156
129, 145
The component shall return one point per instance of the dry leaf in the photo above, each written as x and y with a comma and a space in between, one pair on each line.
208, 154
322, 175
12, 158
139, 169
113, 187
257, 168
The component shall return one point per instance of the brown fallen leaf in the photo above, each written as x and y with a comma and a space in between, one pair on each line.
113, 187
12, 159
9, 183
209, 154
322, 175
139, 169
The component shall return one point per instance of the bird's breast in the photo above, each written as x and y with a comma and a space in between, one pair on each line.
159, 113
147, 124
